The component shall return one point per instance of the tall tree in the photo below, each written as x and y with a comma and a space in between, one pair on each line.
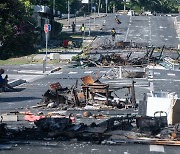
17, 35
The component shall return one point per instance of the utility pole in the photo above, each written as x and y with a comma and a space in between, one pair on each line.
124, 6
68, 14
99, 6
106, 6
54, 11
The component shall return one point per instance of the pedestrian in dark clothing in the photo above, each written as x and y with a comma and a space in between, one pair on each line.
113, 33
4, 81
73, 27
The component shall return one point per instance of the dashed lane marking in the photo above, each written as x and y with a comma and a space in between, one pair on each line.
157, 73
171, 74
72, 72
165, 80
88, 72
102, 71
126, 153
57, 73
156, 148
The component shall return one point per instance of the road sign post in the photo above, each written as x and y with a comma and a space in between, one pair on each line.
47, 28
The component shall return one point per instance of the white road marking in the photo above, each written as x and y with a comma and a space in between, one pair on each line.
157, 73
88, 72
166, 39
156, 148
11, 103
165, 80
162, 27
72, 72
102, 71
57, 73
161, 36
128, 29
170, 36
171, 74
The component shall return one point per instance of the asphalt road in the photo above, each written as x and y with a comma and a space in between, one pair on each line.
83, 148
143, 30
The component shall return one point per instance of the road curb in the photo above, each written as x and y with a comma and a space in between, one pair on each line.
55, 70
17, 82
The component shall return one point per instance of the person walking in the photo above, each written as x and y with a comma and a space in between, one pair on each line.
82, 29
73, 27
113, 33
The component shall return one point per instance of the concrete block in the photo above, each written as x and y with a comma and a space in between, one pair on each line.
178, 46
54, 56
9, 118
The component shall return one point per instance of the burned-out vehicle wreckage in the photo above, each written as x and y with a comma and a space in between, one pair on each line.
133, 122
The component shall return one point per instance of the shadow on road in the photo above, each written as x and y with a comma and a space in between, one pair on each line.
17, 99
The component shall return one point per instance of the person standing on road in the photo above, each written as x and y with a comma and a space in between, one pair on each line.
82, 29
113, 33
4, 81
73, 27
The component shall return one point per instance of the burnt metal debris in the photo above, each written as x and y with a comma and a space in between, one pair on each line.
151, 55
113, 130
91, 92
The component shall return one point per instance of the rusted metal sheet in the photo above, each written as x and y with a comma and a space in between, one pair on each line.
55, 86
87, 80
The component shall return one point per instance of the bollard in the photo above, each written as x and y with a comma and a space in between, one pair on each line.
44, 65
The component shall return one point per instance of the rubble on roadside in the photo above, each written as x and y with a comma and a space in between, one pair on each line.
116, 130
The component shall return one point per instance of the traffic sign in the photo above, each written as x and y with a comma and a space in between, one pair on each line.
46, 28
49, 27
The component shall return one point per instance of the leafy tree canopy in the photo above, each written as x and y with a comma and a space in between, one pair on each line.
17, 35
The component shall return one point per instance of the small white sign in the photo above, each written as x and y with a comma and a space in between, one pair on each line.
85, 1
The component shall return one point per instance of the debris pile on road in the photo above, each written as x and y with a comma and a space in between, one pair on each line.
92, 94
120, 59
113, 130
